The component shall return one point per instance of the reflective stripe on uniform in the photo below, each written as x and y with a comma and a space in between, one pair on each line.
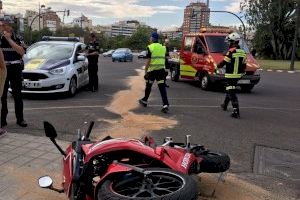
233, 75
7, 49
227, 59
13, 62
230, 88
160, 82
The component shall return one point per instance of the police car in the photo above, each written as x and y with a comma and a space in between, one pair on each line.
55, 65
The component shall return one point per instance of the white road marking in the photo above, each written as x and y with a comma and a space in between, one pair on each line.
171, 106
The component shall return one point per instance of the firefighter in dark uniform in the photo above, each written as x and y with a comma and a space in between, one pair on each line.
93, 56
155, 70
235, 61
13, 52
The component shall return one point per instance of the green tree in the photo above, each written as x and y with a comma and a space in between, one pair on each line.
274, 23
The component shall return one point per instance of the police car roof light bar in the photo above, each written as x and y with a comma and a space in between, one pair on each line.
70, 39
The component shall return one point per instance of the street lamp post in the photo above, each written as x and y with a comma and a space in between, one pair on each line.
297, 21
223, 11
41, 14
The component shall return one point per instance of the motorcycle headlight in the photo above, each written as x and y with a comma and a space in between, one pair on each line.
58, 71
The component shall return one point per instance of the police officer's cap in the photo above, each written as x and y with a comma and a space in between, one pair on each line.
154, 36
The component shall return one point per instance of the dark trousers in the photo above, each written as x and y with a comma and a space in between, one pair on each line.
159, 76
231, 94
93, 76
14, 80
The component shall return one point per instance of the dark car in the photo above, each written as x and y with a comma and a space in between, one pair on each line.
122, 55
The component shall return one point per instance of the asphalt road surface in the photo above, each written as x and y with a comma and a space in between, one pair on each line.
270, 117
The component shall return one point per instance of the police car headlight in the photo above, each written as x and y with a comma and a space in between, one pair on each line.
59, 71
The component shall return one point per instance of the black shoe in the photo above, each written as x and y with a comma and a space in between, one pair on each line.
165, 109
143, 103
235, 114
224, 107
3, 124
22, 124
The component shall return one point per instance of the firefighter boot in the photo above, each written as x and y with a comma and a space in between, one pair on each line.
165, 109
235, 113
224, 106
143, 103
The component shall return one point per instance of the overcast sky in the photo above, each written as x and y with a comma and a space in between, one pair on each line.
156, 13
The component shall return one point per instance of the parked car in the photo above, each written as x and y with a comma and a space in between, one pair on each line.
55, 65
142, 54
108, 53
122, 55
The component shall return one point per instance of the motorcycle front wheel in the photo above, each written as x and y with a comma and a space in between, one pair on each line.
161, 184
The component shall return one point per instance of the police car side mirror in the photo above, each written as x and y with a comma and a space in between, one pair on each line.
80, 58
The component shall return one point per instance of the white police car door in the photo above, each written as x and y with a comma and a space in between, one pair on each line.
80, 67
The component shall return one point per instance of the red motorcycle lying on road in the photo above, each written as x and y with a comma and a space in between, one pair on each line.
122, 169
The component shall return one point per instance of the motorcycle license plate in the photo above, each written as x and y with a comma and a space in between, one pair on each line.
31, 84
244, 82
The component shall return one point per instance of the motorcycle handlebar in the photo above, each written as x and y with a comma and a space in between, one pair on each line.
89, 130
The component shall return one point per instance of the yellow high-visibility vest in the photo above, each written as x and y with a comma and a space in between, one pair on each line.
158, 56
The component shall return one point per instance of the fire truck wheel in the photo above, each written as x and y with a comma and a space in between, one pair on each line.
205, 81
174, 71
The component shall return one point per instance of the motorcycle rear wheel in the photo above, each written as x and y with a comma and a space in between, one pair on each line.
162, 184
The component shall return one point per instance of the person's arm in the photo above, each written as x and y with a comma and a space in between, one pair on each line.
2, 62
18, 48
148, 60
227, 59
97, 50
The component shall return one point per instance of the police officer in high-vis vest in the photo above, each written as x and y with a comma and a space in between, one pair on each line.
13, 52
155, 71
235, 61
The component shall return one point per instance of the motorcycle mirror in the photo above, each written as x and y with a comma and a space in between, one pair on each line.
45, 182
50, 130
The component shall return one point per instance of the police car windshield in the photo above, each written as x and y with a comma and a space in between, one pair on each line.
50, 51
217, 44
120, 50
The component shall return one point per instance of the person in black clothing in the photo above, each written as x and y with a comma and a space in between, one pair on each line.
13, 52
93, 56
235, 62
166, 44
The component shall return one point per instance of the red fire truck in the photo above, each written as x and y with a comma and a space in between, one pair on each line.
199, 55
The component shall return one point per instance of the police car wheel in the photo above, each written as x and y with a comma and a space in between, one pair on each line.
73, 86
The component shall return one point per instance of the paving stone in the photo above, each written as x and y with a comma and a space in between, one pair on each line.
32, 145
19, 143
7, 147
6, 140
46, 147
38, 163
35, 153
50, 156
20, 150
20, 160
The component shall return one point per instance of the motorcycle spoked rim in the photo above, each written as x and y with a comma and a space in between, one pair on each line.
155, 174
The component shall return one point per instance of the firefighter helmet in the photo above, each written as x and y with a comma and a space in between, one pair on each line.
233, 37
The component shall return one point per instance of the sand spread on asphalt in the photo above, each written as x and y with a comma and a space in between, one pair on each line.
131, 124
